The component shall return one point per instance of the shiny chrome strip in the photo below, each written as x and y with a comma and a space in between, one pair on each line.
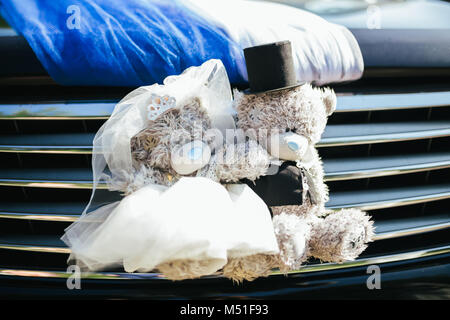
57, 111
383, 138
380, 236
339, 172
387, 171
39, 216
363, 206
47, 149
329, 176
59, 143
374, 260
44, 249
376, 205
86, 110
157, 276
49, 184
411, 231
332, 141
377, 102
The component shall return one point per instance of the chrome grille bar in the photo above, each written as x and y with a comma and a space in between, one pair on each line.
384, 230
355, 134
378, 102
388, 198
88, 110
76, 143
335, 170
370, 167
8, 272
334, 135
76, 110
366, 200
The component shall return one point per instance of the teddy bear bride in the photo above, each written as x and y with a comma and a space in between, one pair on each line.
183, 212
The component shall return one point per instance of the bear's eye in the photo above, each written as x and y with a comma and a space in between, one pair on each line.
293, 130
254, 114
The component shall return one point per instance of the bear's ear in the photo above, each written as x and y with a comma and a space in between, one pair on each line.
237, 99
329, 100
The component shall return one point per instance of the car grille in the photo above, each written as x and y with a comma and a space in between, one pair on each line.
385, 152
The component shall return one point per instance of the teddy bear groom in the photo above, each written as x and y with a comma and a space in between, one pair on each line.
288, 119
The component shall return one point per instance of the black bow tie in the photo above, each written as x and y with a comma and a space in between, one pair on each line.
280, 189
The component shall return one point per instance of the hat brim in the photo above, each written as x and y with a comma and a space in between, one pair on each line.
298, 84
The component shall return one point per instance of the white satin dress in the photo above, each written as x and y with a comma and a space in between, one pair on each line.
196, 219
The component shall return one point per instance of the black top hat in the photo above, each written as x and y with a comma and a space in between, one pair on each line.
270, 67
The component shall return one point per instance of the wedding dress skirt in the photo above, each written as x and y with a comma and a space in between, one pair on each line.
195, 219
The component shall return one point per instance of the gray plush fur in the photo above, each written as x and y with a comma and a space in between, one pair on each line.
152, 146
342, 235
131, 182
184, 269
292, 253
251, 267
152, 149
243, 160
303, 109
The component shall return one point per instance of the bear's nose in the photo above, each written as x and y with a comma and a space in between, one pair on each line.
293, 146
195, 153
288, 146
190, 157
